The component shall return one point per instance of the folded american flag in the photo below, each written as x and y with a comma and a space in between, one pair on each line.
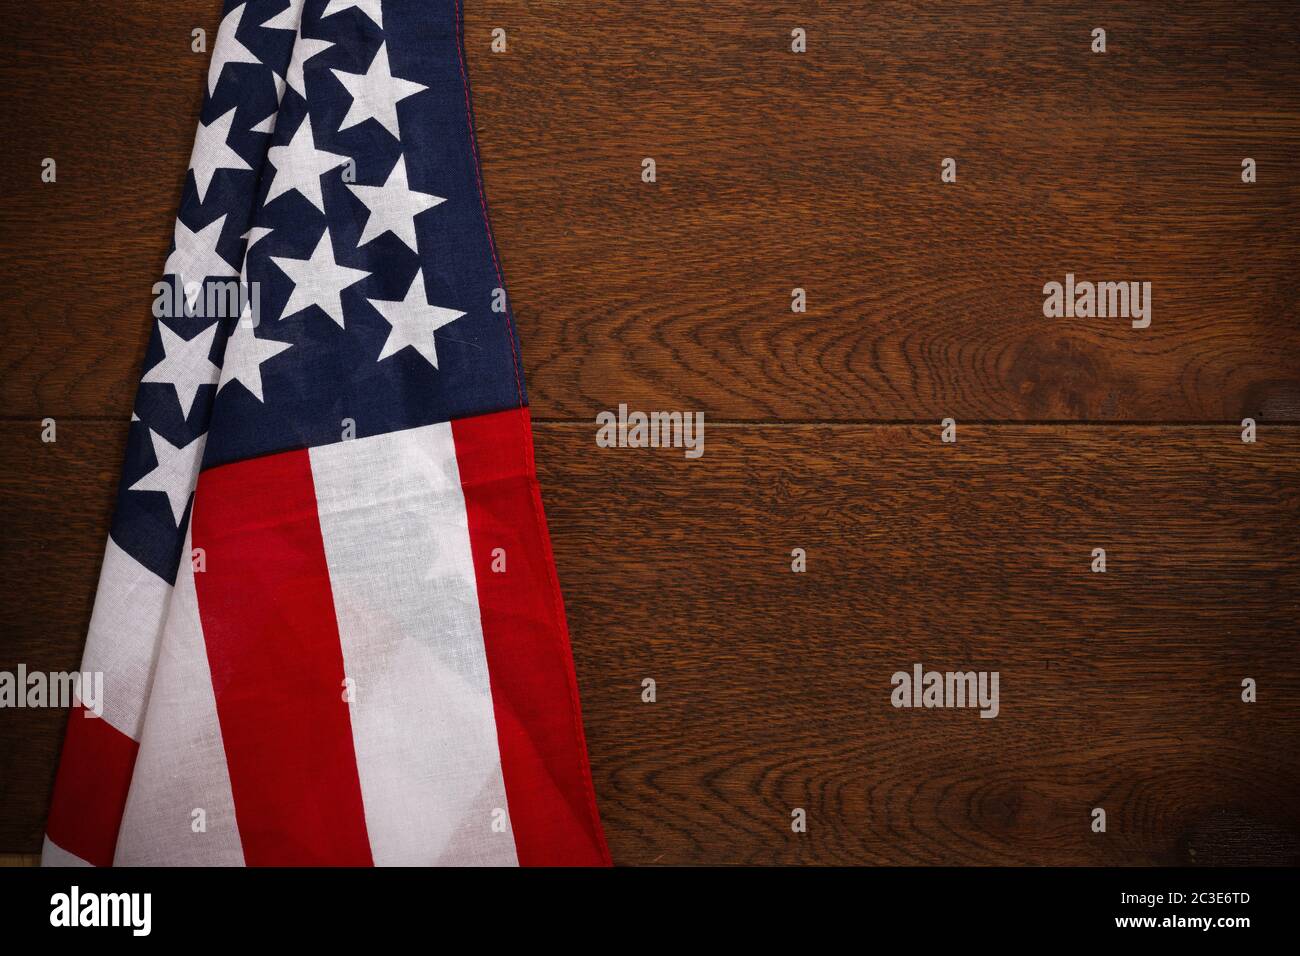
328, 617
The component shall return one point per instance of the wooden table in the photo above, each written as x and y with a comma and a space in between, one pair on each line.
822, 171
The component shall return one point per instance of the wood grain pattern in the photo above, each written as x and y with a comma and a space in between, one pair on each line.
112, 94
55, 504
776, 170
818, 170
822, 171
1119, 690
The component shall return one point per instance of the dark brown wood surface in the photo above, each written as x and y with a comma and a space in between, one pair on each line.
775, 170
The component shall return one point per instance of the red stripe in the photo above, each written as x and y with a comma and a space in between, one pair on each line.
277, 667
534, 690
90, 791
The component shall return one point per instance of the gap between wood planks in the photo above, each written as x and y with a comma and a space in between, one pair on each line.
821, 423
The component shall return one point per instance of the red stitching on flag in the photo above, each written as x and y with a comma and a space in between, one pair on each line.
563, 646
482, 200
543, 752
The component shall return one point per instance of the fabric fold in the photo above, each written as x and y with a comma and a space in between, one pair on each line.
328, 618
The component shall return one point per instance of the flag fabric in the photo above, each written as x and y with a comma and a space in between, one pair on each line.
328, 618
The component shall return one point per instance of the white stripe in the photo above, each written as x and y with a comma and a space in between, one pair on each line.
54, 855
181, 766
123, 640
397, 544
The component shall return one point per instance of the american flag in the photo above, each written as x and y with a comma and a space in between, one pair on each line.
328, 618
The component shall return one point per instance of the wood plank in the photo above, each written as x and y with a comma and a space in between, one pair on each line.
1121, 690
112, 94
822, 171
1118, 690
776, 170
55, 505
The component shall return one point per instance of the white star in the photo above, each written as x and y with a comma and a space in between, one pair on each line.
196, 257
267, 125
413, 322
227, 48
211, 151
290, 18
370, 8
304, 48
176, 472
185, 364
245, 353
376, 93
299, 166
393, 206
286, 19
255, 235
319, 280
